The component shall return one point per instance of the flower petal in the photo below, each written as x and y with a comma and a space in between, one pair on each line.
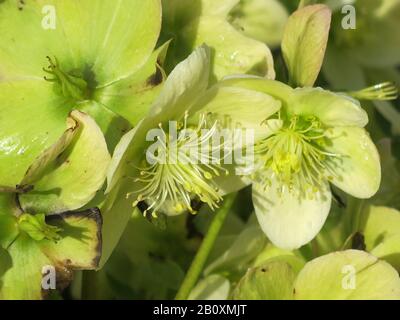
184, 85
271, 281
330, 108
99, 36
347, 275
357, 170
32, 118
246, 107
288, 220
69, 180
304, 43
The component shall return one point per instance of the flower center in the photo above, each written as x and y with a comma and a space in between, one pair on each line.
181, 167
296, 156
69, 85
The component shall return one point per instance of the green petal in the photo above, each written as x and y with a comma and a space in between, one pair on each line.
381, 228
214, 287
70, 179
116, 211
23, 280
275, 89
330, 108
218, 7
234, 53
272, 253
357, 170
263, 20
113, 39
181, 90
195, 24
288, 220
245, 107
32, 119
271, 281
347, 275
81, 240
304, 43
378, 223
132, 96
184, 85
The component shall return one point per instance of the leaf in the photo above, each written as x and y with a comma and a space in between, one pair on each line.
304, 43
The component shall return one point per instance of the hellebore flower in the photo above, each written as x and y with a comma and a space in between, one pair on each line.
191, 23
319, 138
184, 98
38, 230
342, 275
91, 55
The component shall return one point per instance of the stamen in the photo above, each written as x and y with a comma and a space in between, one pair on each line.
295, 156
186, 172
382, 91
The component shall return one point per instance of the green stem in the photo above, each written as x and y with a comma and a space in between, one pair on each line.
200, 259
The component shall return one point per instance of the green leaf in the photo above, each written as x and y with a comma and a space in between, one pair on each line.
70, 179
347, 275
248, 108
304, 43
271, 281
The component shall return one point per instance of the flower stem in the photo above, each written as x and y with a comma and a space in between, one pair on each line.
200, 259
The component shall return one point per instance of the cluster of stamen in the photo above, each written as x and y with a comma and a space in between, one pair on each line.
181, 169
296, 157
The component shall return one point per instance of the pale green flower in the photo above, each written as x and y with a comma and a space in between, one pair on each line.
318, 138
191, 23
170, 186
